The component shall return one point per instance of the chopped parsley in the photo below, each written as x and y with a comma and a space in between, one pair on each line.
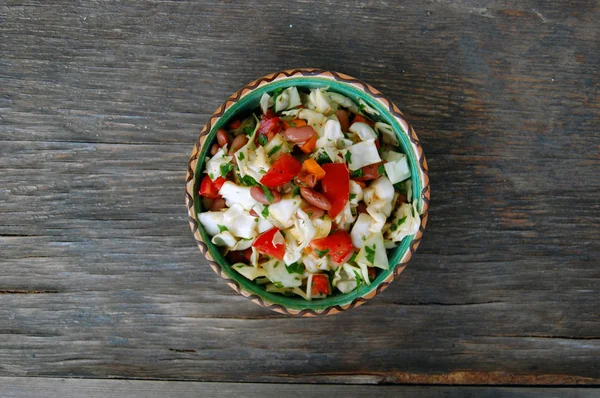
265, 212
356, 173
295, 268
247, 181
321, 253
359, 279
241, 156
361, 107
222, 228
401, 221
323, 158
381, 170
262, 139
256, 219
296, 190
401, 187
248, 130
352, 196
276, 264
268, 194
291, 124
278, 285
348, 156
274, 150
262, 171
277, 93
370, 253
225, 169
353, 258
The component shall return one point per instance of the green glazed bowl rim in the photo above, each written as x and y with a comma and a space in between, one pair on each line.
247, 98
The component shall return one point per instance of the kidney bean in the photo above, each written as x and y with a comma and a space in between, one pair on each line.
313, 212
222, 137
237, 143
299, 134
258, 195
342, 116
214, 149
315, 198
361, 208
305, 179
218, 204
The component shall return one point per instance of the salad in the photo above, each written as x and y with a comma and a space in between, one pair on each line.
306, 194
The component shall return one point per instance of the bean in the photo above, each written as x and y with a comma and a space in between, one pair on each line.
214, 149
362, 208
258, 195
222, 137
237, 143
305, 179
313, 212
342, 116
218, 204
299, 134
315, 198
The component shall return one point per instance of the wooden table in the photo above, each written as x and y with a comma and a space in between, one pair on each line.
101, 102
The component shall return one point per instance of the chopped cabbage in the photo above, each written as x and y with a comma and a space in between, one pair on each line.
292, 253
363, 130
373, 253
265, 102
278, 273
387, 133
248, 271
277, 146
345, 278
356, 193
315, 264
360, 230
343, 101
332, 132
366, 108
210, 221
322, 225
289, 98
281, 213
396, 166
379, 197
235, 194
319, 101
406, 222
239, 222
363, 154
213, 166
345, 218
305, 227
314, 119
224, 239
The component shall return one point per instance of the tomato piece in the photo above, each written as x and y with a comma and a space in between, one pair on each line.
370, 172
209, 188
336, 186
362, 119
270, 114
337, 245
270, 126
282, 171
264, 244
320, 285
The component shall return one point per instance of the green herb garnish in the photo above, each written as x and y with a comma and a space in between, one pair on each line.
357, 173
225, 169
276, 264
321, 253
265, 212
222, 228
247, 181
296, 190
353, 258
241, 156
263, 140
348, 156
381, 170
352, 196
268, 194
323, 158
295, 268
370, 253
274, 150
359, 279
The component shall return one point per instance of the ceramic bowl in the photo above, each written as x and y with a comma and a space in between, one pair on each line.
247, 98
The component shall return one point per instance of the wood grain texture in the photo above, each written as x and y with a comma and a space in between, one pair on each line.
27, 387
101, 102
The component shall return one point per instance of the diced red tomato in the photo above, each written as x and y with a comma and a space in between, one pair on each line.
270, 114
282, 171
337, 245
270, 126
320, 285
370, 172
336, 186
362, 119
209, 188
264, 244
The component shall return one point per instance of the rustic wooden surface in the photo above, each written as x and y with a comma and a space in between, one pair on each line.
101, 102
22, 387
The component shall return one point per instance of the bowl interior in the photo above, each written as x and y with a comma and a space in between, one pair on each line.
251, 101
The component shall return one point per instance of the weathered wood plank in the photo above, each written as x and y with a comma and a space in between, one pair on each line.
101, 102
21, 387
